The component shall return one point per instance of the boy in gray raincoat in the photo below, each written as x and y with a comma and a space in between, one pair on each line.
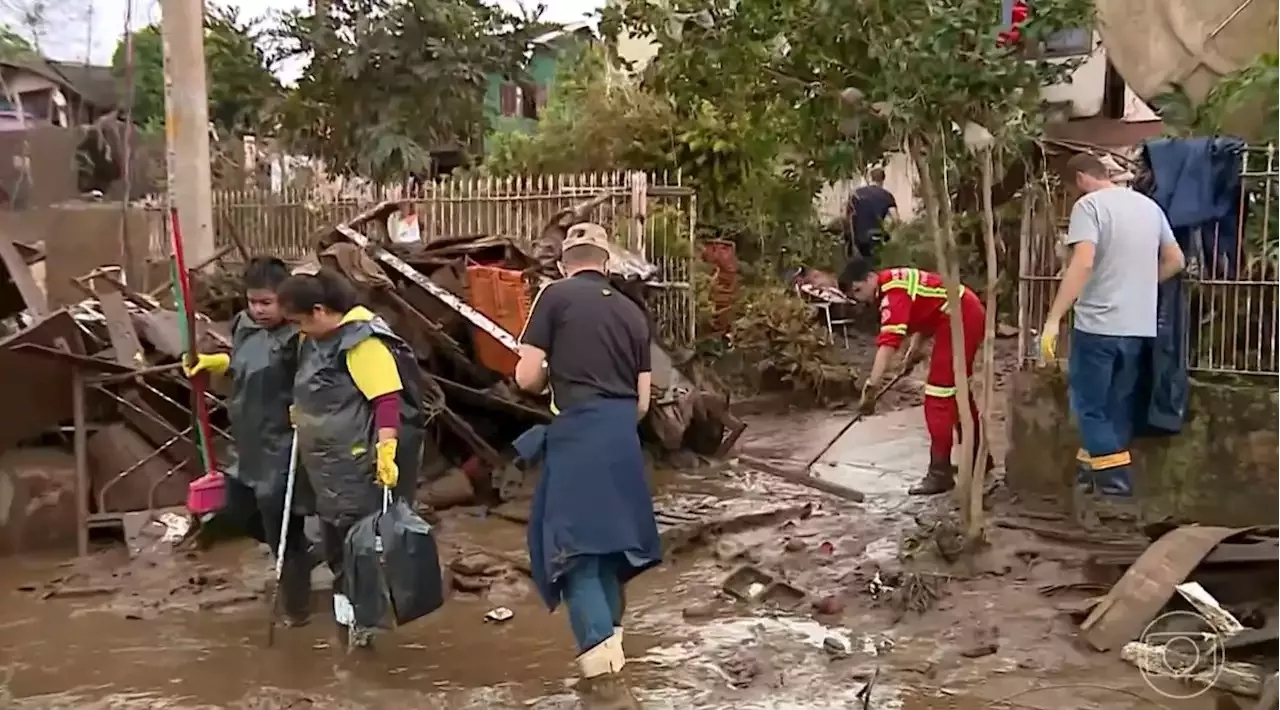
262, 363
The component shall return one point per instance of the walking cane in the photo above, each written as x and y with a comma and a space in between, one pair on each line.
274, 596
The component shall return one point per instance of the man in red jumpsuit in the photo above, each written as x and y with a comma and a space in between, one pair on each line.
913, 303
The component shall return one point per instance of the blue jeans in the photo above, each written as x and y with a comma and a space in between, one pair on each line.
594, 596
1102, 379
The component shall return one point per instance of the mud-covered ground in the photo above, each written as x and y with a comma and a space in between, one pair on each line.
882, 608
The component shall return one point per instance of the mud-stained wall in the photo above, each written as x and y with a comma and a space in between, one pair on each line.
79, 237
1223, 469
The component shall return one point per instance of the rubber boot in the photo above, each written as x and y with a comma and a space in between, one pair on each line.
360, 638
603, 686
295, 587
350, 636
939, 478
1115, 492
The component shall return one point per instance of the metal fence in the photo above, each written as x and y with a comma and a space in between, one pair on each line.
1233, 294
650, 214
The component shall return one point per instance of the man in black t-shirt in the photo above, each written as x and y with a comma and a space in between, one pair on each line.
591, 526
869, 207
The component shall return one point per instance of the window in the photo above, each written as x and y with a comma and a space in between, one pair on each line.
521, 100
508, 99
532, 99
1068, 43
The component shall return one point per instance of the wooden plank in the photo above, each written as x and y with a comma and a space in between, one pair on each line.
1269, 634
20, 273
1264, 550
461, 307
1270, 696
125, 345
1240, 678
1149, 584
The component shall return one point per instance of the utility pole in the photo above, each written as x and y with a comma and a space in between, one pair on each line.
186, 119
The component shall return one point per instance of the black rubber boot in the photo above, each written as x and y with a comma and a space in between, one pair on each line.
1115, 493
939, 478
295, 587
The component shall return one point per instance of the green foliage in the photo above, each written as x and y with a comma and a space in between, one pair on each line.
596, 119
390, 81
148, 74
599, 118
12, 44
843, 81
241, 85
1244, 103
776, 333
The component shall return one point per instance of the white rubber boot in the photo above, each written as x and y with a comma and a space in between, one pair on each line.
616, 639
604, 658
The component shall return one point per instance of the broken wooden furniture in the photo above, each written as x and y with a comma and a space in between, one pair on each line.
439, 310
127, 415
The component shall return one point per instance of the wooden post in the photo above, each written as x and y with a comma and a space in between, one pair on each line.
937, 201
187, 124
80, 438
976, 518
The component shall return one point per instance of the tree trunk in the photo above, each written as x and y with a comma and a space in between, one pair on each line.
977, 490
940, 220
951, 278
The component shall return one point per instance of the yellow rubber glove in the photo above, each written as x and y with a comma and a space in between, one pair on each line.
1049, 343
388, 472
215, 364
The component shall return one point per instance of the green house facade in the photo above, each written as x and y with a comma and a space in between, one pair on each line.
518, 104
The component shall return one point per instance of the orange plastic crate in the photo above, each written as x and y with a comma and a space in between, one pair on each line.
501, 295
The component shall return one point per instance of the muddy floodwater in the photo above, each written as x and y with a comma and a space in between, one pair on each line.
186, 631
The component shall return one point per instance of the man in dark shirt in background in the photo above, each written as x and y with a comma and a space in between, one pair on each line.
591, 526
869, 207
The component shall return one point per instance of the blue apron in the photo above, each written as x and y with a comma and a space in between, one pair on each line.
592, 497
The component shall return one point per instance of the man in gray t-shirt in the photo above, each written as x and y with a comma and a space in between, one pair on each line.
1121, 249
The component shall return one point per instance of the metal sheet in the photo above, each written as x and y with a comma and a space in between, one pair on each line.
124, 339
1149, 584
20, 274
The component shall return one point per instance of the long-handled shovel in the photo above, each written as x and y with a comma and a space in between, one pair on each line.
274, 596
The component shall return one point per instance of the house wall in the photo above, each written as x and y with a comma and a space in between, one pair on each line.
899, 179
21, 82
543, 67
542, 72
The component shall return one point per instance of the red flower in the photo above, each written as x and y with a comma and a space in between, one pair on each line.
1011, 36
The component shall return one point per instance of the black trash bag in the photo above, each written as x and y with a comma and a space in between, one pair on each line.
392, 568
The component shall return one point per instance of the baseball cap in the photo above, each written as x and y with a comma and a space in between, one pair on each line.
586, 234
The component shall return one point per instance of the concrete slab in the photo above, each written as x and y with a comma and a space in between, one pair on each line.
882, 455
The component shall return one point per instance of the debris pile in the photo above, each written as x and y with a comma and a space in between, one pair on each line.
1195, 611
102, 376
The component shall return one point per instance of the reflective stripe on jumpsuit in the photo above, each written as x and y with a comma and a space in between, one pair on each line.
941, 416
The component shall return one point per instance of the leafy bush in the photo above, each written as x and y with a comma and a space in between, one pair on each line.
777, 334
